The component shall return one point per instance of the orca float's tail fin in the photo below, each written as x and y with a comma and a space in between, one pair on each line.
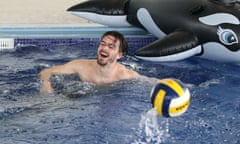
106, 12
175, 46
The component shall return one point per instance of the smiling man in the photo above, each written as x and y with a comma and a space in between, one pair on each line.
105, 69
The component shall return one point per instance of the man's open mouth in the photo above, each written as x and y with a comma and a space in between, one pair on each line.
104, 54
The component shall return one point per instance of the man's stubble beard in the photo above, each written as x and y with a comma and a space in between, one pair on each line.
109, 61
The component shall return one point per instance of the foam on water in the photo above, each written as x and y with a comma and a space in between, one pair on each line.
150, 130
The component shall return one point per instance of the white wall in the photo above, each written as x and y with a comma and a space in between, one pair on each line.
18, 12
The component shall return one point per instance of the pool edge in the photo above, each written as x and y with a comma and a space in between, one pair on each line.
66, 31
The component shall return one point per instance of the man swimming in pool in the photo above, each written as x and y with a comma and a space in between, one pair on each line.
105, 69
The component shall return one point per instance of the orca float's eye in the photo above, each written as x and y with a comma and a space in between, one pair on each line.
227, 36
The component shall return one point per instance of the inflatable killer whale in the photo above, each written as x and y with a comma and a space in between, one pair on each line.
184, 28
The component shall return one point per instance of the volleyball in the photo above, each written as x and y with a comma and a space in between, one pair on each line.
170, 97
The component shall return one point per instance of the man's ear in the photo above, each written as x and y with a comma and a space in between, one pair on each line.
120, 55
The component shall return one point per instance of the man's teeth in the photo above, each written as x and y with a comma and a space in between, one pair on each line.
104, 54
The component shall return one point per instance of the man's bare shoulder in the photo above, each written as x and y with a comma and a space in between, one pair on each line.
82, 62
128, 72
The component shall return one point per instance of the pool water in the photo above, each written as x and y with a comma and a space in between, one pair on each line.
117, 113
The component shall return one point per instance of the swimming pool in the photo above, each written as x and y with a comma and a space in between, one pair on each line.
113, 113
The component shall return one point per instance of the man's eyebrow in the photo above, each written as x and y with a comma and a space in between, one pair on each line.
114, 45
109, 44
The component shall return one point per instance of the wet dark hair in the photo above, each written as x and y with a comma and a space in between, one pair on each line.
123, 42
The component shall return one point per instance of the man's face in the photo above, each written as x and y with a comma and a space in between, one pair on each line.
108, 50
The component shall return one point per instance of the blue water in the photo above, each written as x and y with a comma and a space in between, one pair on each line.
117, 113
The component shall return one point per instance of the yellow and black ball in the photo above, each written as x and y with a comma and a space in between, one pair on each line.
170, 97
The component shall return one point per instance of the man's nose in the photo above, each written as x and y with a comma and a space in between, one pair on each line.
105, 47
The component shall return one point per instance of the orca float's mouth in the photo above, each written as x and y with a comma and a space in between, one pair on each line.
102, 7
105, 12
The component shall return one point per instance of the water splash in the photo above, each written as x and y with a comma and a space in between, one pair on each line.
150, 130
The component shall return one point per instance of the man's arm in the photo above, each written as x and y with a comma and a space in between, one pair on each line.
46, 74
